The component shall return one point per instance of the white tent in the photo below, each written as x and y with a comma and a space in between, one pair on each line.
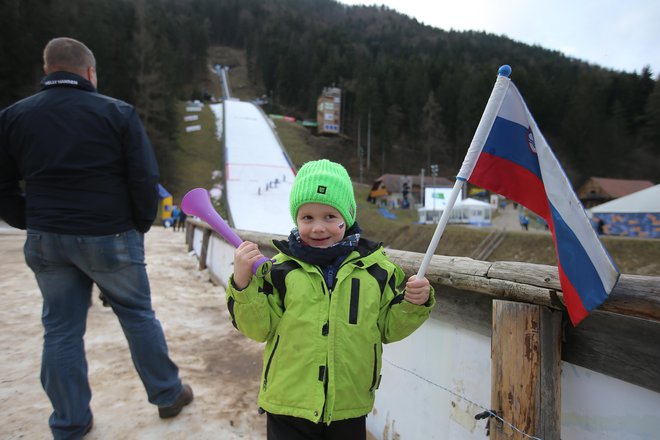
472, 211
646, 200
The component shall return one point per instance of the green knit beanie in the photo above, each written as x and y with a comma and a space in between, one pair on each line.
322, 181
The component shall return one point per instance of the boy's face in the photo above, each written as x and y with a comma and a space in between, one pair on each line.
320, 225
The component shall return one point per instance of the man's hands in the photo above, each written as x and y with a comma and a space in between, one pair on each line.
417, 290
245, 256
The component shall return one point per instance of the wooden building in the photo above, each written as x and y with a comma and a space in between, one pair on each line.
598, 190
388, 189
328, 111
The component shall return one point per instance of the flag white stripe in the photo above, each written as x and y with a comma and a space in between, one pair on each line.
485, 124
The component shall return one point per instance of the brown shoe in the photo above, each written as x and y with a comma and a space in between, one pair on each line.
186, 396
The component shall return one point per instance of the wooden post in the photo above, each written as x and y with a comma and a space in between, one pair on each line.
205, 247
526, 355
190, 234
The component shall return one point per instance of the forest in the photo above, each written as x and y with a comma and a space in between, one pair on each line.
422, 89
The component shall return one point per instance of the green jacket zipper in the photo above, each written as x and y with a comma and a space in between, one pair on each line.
270, 360
375, 373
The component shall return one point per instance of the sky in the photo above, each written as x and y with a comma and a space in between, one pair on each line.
620, 35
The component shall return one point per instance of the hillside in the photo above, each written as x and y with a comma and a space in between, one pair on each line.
199, 154
423, 89
632, 255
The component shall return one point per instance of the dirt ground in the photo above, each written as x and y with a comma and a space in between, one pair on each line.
220, 364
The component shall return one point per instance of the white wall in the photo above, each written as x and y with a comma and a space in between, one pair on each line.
599, 407
219, 257
445, 359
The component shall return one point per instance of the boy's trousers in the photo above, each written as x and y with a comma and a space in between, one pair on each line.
293, 428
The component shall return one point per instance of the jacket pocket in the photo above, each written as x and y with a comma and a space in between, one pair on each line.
270, 361
33, 252
109, 253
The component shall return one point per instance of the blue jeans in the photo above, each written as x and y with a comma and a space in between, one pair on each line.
66, 267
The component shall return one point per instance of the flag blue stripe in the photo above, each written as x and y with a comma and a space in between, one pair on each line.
509, 140
576, 264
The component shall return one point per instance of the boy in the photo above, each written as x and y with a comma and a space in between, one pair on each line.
324, 310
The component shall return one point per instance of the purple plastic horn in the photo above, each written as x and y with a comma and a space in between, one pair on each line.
198, 202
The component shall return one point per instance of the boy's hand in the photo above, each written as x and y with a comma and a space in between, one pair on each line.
244, 256
417, 290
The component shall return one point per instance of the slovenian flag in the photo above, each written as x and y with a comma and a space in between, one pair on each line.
510, 156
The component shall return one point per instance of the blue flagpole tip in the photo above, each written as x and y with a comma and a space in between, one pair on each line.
504, 70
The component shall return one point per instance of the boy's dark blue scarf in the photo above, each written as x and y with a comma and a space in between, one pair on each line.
324, 256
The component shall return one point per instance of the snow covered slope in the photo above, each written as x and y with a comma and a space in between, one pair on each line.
258, 172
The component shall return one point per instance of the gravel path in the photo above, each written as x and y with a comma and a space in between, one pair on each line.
220, 364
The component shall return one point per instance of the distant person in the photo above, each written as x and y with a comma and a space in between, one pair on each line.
524, 221
180, 224
90, 194
329, 302
176, 212
600, 226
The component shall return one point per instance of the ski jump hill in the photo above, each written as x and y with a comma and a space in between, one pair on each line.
258, 172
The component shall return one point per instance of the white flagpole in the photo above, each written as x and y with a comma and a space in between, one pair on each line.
478, 141
444, 218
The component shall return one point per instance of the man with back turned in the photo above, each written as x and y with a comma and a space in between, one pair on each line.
90, 193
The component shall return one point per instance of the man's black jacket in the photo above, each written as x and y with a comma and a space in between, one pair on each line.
87, 163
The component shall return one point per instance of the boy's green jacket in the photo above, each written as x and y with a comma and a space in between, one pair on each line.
322, 359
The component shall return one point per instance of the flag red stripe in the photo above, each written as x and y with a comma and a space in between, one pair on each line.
571, 298
512, 181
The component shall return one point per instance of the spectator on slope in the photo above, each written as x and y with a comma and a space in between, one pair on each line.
324, 310
180, 221
524, 221
176, 212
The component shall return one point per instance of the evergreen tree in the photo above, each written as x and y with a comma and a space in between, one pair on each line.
433, 135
